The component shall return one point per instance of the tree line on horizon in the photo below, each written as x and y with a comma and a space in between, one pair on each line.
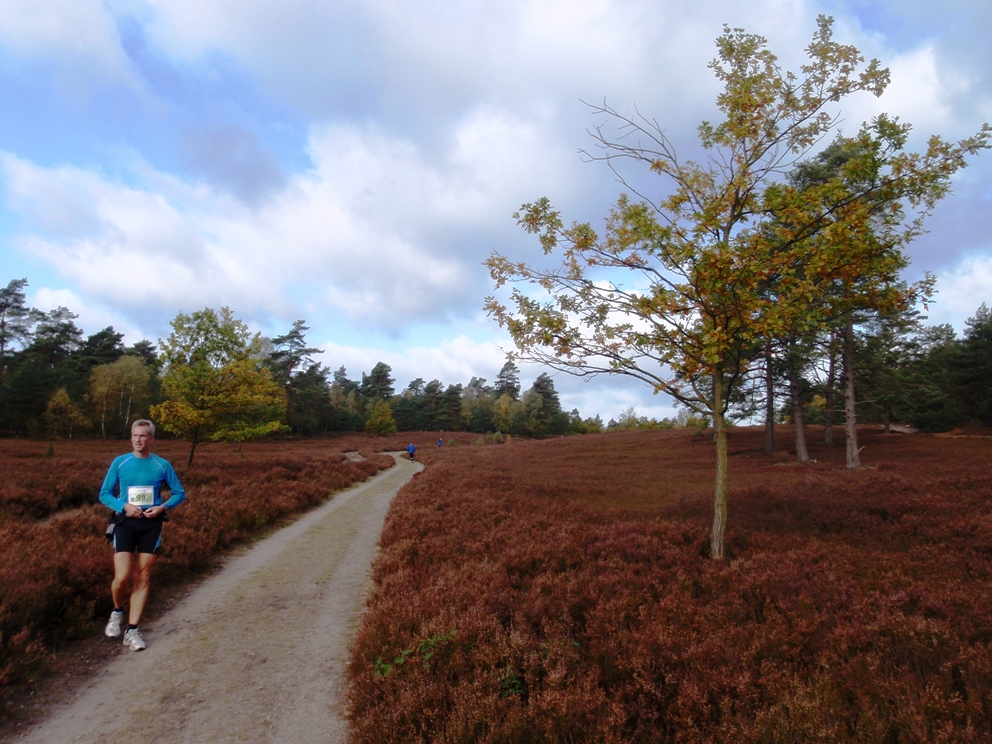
213, 379
56, 381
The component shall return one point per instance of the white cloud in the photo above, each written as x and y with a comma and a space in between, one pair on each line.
79, 36
107, 237
91, 316
453, 361
961, 290
422, 61
457, 360
925, 91
611, 397
384, 233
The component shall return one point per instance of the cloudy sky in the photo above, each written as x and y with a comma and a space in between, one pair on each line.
352, 163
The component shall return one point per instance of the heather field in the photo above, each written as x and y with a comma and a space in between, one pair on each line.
558, 591
56, 567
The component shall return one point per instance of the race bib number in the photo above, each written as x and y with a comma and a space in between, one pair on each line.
141, 495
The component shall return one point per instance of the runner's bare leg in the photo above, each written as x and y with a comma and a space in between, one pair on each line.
122, 572
142, 581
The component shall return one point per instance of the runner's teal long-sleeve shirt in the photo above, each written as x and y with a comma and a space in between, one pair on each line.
130, 477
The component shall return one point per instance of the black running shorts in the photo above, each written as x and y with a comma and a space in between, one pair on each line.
138, 535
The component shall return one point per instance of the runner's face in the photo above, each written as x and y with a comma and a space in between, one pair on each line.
141, 440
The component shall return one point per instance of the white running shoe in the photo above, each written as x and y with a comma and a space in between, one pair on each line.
113, 629
133, 639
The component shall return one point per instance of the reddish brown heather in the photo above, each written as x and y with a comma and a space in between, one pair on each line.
422, 440
55, 565
558, 591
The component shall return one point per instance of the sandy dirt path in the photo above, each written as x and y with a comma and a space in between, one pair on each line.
257, 652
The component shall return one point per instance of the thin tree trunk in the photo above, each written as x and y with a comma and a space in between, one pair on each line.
719, 530
802, 454
120, 410
192, 448
3, 360
769, 401
130, 399
850, 413
828, 394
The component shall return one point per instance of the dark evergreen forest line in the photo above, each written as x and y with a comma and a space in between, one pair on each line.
56, 381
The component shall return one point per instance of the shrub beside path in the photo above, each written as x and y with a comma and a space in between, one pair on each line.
255, 653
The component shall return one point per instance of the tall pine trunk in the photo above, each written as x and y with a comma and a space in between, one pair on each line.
850, 413
769, 400
802, 454
718, 533
828, 394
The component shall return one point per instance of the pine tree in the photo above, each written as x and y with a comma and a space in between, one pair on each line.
507, 382
378, 384
975, 365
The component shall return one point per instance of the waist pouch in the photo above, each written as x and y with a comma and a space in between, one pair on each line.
117, 518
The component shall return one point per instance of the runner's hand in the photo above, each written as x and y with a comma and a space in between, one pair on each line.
154, 511
130, 510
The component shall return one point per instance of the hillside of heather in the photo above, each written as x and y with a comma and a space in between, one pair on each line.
558, 591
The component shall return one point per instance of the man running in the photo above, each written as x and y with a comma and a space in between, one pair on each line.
411, 450
133, 490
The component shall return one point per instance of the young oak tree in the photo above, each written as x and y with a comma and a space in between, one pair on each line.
696, 309
217, 384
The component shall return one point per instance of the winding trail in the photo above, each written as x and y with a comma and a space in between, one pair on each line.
257, 652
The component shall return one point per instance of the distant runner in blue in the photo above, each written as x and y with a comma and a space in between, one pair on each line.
410, 450
133, 491
439, 443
